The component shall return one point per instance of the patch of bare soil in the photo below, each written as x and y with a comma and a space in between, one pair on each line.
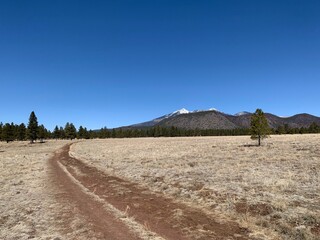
316, 229
101, 222
157, 213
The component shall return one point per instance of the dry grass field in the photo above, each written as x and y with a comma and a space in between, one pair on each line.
28, 199
273, 190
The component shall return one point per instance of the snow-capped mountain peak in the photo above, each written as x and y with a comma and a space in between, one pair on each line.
178, 112
182, 111
242, 113
210, 109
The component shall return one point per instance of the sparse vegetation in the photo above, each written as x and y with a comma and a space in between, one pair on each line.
273, 190
28, 208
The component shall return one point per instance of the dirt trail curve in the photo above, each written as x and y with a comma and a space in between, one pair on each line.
91, 189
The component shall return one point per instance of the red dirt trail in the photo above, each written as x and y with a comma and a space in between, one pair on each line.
158, 213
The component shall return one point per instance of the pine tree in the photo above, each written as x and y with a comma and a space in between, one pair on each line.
281, 129
14, 129
33, 127
67, 130
42, 133
7, 132
86, 133
62, 133
81, 133
73, 131
70, 130
314, 128
21, 134
259, 126
287, 128
56, 133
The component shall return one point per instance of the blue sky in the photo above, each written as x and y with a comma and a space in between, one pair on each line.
114, 63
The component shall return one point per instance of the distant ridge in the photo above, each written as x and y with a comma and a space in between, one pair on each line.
214, 119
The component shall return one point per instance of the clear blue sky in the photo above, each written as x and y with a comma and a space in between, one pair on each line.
114, 63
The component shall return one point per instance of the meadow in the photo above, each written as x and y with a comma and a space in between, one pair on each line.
273, 190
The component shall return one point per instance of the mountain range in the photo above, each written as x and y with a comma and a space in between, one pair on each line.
214, 119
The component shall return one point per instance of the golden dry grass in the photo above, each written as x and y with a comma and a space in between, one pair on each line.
274, 190
28, 200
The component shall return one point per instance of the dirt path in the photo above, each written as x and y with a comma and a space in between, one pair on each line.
102, 222
90, 190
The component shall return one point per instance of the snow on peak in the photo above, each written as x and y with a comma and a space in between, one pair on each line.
178, 112
181, 111
242, 113
185, 111
210, 109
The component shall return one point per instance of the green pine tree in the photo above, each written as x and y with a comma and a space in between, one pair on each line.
81, 133
62, 133
42, 133
281, 129
70, 130
259, 126
56, 133
67, 130
7, 132
33, 127
314, 128
15, 129
22, 132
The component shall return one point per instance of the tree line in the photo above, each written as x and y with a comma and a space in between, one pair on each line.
33, 131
